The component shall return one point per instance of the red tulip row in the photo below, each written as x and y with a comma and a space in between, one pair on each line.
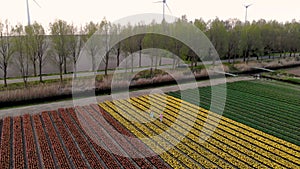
62, 160
108, 158
30, 146
18, 143
77, 159
48, 161
81, 141
155, 160
99, 131
5, 144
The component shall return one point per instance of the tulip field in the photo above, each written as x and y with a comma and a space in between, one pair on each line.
231, 145
257, 130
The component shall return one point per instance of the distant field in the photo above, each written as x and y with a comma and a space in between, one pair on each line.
295, 71
271, 107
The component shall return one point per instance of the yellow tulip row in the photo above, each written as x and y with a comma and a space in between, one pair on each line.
221, 149
168, 139
171, 160
224, 136
255, 145
267, 141
191, 144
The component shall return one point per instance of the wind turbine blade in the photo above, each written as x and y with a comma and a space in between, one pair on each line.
169, 8
247, 6
158, 2
37, 3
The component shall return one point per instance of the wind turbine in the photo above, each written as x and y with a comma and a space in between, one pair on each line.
247, 6
164, 2
28, 13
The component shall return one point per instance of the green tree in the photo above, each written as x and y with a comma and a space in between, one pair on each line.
200, 24
42, 44
36, 39
23, 51
59, 32
293, 37
251, 41
31, 47
218, 35
234, 42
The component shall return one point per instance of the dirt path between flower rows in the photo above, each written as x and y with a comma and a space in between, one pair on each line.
80, 102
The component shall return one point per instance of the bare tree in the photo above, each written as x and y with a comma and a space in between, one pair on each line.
41, 46
108, 33
6, 51
117, 47
92, 47
76, 42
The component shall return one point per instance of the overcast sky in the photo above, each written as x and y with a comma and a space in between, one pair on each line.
80, 12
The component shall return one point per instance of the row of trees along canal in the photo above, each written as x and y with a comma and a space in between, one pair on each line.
27, 47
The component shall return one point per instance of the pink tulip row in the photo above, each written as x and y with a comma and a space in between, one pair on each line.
108, 158
102, 134
75, 156
155, 160
61, 157
81, 141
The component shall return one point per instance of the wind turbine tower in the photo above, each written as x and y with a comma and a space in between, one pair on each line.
28, 11
164, 2
247, 6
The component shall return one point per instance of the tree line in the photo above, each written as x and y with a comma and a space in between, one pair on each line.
29, 46
235, 39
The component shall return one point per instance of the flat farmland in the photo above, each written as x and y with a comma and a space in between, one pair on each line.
187, 135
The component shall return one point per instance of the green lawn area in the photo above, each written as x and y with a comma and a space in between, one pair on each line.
269, 106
